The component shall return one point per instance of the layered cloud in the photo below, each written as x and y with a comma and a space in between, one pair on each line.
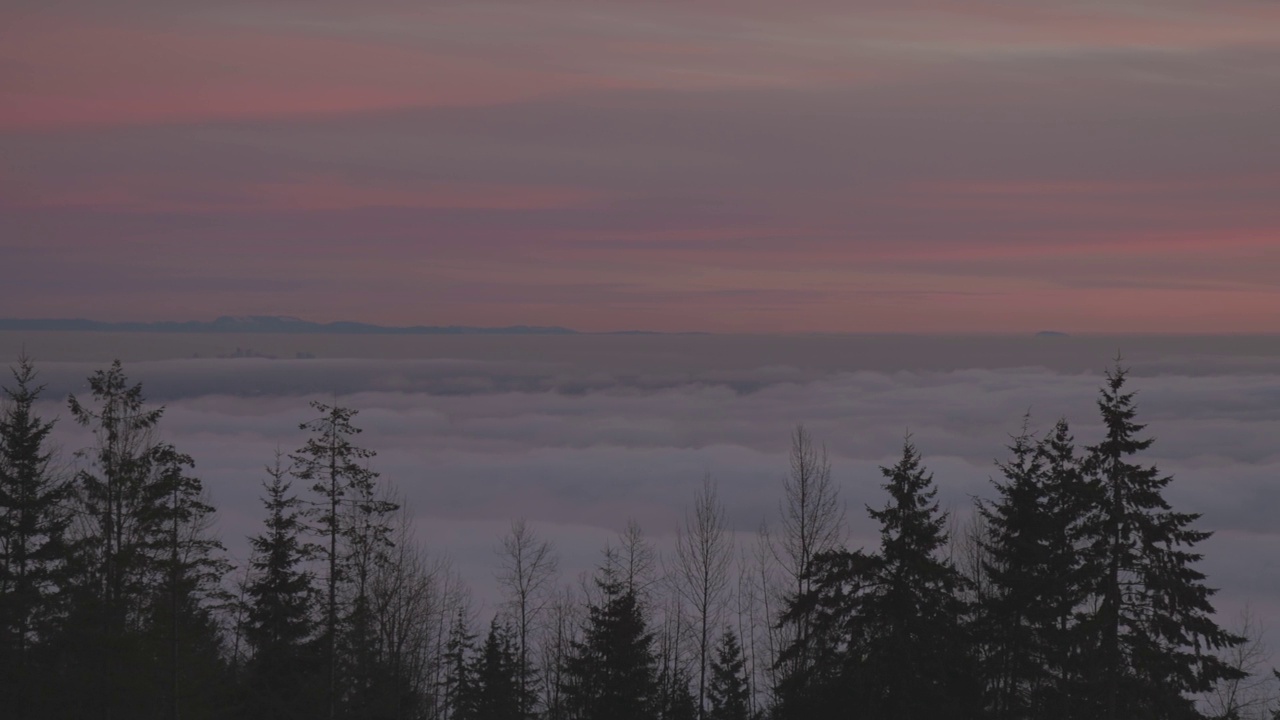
621, 428
710, 166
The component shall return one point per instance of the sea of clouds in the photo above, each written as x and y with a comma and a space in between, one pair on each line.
581, 441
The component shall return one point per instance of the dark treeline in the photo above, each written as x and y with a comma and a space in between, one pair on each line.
1072, 593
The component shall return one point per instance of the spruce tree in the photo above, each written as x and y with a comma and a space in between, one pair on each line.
33, 530
495, 679
918, 658
1154, 624
1033, 563
281, 628
611, 672
458, 679
843, 637
728, 693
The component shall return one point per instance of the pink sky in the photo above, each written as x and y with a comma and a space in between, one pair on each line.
909, 166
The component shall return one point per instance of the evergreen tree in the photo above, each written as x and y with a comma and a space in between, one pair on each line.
458, 679
1154, 624
352, 522
495, 688
728, 692
1033, 565
675, 694
147, 572
918, 660
281, 629
183, 618
611, 672
33, 529
840, 641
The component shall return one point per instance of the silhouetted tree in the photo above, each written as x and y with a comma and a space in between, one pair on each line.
281, 628
812, 524
1033, 567
918, 659
611, 671
1156, 636
728, 693
527, 568
495, 689
346, 511
147, 572
704, 556
34, 517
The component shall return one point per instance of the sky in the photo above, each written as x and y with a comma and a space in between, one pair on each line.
855, 166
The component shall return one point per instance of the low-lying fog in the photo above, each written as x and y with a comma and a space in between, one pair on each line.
580, 433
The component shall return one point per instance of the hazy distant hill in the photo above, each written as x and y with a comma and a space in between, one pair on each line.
273, 324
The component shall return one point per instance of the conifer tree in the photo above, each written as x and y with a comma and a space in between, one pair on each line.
611, 672
1033, 563
1156, 636
675, 693
146, 569
281, 629
729, 694
458, 679
349, 518
495, 687
918, 657
33, 532
183, 618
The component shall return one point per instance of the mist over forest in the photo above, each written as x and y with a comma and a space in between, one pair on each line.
607, 445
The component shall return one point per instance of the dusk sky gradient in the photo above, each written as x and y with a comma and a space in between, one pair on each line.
747, 166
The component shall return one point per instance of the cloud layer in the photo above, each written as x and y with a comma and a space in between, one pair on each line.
579, 448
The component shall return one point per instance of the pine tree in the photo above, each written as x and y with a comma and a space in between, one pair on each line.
611, 672
281, 629
1154, 624
918, 657
33, 529
728, 692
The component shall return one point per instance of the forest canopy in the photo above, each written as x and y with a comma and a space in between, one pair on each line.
1073, 592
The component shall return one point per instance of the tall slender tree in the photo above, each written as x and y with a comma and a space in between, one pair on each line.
1156, 636
812, 524
34, 519
527, 569
704, 557
337, 471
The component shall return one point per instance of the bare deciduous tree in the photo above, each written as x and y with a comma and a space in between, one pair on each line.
812, 517
527, 570
1254, 696
704, 555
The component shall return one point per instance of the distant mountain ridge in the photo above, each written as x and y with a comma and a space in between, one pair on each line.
273, 324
